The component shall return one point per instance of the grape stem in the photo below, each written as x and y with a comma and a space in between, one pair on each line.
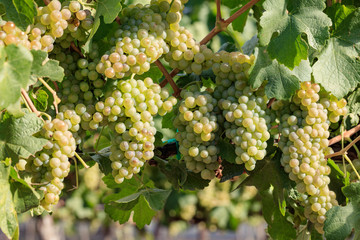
76, 49
220, 26
352, 165
29, 102
53, 92
270, 102
81, 160
168, 78
218, 11
355, 147
26, 104
347, 134
344, 150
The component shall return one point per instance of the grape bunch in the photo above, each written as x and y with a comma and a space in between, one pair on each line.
140, 39
10, 34
51, 165
243, 108
187, 54
129, 110
197, 126
304, 132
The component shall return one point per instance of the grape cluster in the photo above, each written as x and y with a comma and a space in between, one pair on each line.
10, 34
129, 110
187, 54
197, 126
51, 165
243, 108
63, 23
304, 141
140, 39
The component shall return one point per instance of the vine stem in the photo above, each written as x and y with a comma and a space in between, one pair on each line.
168, 77
53, 92
270, 102
352, 165
347, 134
344, 150
329, 3
220, 26
29, 102
46, 2
76, 49
81, 160
218, 11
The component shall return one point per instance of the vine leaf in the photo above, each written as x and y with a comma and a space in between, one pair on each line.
21, 12
16, 137
43, 67
24, 196
15, 67
143, 202
338, 13
109, 10
8, 216
40, 100
289, 20
227, 151
338, 65
281, 81
341, 220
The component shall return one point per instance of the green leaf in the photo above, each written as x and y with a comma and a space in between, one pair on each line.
231, 170
168, 119
40, 100
227, 151
102, 158
281, 81
338, 12
339, 60
233, 3
44, 67
289, 20
8, 217
120, 211
337, 180
194, 181
25, 197
143, 214
239, 23
156, 197
249, 46
15, 67
341, 220
21, 12
279, 227
174, 171
109, 10
16, 137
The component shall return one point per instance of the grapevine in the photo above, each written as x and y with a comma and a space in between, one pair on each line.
129, 88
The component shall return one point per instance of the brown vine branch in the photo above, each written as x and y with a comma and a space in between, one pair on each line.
346, 134
218, 11
46, 2
344, 150
329, 3
270, 102
29, 102
117, 19
56, 86
239, 12
76, 49
168, 78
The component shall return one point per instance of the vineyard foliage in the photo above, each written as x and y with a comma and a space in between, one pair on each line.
129, 89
